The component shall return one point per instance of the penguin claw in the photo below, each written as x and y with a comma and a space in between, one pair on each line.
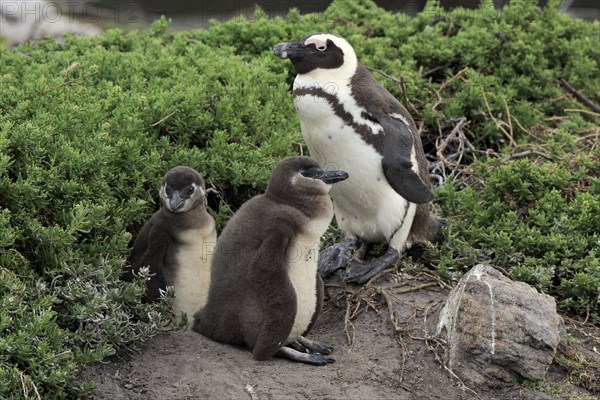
328, 359
361, 271
336, 257
320, 359
322, 348
306, 358
305, 345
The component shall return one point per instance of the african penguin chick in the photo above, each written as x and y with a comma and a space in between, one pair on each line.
349, 120
265, 291
177, 242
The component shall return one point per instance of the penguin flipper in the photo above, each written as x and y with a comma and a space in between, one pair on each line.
277, 307
397, 164
150, 249
319, 307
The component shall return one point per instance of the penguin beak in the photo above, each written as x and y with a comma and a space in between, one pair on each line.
176, 201
329, 176
289, 50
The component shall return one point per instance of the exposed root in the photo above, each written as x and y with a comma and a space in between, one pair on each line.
436, 278
377, 298
440, 343
399, 331
348, 323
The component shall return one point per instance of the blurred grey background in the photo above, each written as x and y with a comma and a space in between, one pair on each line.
22, 20
189, 14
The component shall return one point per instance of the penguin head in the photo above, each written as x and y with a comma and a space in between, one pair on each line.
317, 52
182, 189
299, 175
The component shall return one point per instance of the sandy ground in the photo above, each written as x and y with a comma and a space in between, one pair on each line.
384, 350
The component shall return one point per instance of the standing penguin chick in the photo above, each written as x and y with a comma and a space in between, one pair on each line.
177, 242
349, 120
263, 292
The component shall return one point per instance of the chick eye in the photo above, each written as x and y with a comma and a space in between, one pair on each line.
190, 190
322, 47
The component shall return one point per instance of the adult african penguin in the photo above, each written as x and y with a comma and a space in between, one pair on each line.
265, 291
352, 122
177, 242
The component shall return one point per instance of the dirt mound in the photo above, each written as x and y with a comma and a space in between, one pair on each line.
384, 350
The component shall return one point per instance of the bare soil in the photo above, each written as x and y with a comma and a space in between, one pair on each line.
384, 334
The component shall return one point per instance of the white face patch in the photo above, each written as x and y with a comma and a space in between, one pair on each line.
299, 177
163, 196
322, 76
334, 81
198, 192
319, 42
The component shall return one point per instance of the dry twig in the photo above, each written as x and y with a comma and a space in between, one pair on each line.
26, 390
451, 150
500, 124
562, 82
164, 119
436, 278
524, 154
443, 86
582, 111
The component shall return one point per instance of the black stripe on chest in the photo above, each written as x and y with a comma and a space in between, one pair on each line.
375, 140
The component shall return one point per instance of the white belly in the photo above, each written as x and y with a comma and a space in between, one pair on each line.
366, 206
303, 256
193, 276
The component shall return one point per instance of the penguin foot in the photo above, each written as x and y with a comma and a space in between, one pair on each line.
311, 346
361, 271
336, 257
305, 358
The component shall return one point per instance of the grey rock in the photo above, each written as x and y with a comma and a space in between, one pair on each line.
498, 331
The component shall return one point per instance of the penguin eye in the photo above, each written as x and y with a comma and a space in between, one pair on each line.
190, 190
322, 47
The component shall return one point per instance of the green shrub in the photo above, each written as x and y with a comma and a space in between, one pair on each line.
88, 128
533, 222
88, 131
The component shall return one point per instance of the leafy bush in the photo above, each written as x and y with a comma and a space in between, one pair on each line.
88, 128
531, 221
88, 131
